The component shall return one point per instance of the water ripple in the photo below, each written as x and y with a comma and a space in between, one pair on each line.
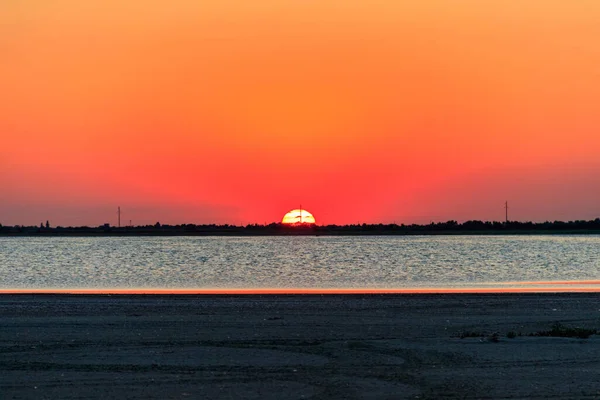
295, 262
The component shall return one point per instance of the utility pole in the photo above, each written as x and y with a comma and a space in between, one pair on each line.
300, 213
119, 216
506, 210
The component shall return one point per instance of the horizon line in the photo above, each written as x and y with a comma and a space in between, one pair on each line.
254, 224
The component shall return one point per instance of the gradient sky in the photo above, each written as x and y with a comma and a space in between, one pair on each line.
236, 111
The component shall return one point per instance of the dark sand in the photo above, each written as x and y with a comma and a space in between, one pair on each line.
293, 347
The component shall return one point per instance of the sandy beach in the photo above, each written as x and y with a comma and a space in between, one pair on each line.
386, 346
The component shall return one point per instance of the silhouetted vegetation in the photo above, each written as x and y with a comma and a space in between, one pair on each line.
560, 330
556, 330
471, 334
493, 337
273, 229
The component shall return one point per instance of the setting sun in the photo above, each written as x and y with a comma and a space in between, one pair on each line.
298, 216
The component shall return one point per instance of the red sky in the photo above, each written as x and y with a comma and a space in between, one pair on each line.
236, 111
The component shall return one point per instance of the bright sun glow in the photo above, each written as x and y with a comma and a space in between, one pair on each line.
298, 217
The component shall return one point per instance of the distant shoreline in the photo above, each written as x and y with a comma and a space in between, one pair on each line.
243, 234
452, 227
277, 229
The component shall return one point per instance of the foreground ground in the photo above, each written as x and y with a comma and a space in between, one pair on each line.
297, 347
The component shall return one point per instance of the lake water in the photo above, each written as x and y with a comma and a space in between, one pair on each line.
366, 262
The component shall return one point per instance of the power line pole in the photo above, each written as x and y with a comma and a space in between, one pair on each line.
119, 216
300, 213
506, 210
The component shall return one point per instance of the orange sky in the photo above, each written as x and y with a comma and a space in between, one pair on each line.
236, 111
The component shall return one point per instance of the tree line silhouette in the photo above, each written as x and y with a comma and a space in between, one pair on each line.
274, 229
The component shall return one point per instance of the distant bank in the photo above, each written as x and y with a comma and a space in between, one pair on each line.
277, 229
